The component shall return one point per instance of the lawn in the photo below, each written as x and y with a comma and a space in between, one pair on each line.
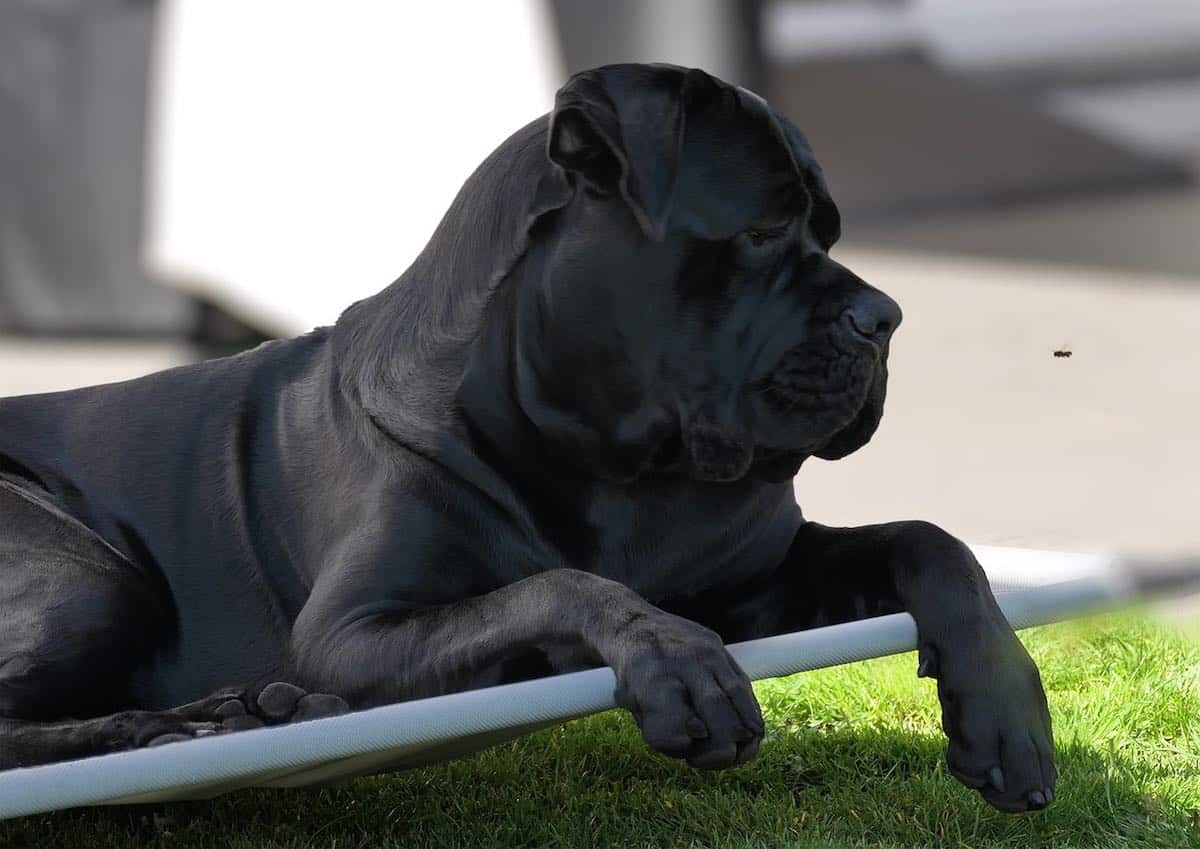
853, 757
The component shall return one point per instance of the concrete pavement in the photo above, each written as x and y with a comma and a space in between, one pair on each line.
991, 435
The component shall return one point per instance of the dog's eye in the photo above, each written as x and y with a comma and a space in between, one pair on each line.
759, 236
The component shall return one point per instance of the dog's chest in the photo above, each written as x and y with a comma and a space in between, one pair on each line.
619, 529
663, 544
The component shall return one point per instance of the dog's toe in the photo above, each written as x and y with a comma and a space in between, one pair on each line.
229, 709
278, 701
1012, 771
242, 722
319, 705
163, 739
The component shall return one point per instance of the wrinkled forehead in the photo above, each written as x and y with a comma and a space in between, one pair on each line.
737, 165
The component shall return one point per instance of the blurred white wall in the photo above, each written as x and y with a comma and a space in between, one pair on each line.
719, 36
302, 153
985, 34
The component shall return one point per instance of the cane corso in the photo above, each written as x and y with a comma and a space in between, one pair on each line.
565, 437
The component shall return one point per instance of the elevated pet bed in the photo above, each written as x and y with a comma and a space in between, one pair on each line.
1033, 588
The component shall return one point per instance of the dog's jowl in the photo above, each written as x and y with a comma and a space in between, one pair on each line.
564, 437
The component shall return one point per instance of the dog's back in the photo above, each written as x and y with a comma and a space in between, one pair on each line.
165, 469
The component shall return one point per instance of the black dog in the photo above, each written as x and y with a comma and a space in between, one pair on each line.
565, 437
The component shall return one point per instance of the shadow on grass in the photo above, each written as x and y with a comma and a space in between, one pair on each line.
593, 784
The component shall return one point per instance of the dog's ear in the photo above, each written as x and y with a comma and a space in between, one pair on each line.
826, 220
620, 128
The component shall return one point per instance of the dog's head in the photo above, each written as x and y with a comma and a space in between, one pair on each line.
686, 308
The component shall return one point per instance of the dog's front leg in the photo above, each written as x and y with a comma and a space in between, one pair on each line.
688, 695
993, 706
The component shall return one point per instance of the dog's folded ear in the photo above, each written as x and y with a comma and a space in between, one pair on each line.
826, 220
620, 129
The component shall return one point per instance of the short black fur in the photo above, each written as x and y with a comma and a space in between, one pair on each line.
564, 437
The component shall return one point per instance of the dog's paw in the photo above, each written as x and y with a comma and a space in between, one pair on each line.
136, 729
995, 715
278, 703
689, 697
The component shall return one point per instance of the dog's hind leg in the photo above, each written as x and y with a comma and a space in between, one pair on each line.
25, 742
30, 742
75, 618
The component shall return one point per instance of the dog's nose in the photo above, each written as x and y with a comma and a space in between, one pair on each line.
872, 316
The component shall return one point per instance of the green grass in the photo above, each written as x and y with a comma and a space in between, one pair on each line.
853, 757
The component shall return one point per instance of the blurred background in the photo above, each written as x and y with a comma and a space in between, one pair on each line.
184, 178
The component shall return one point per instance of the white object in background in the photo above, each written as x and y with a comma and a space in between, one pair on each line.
997, 34
984, 34
302, 153
1159, 116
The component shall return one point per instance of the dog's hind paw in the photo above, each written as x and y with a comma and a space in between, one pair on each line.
136, 729
278, 703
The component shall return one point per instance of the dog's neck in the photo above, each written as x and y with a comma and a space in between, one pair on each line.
400, 355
